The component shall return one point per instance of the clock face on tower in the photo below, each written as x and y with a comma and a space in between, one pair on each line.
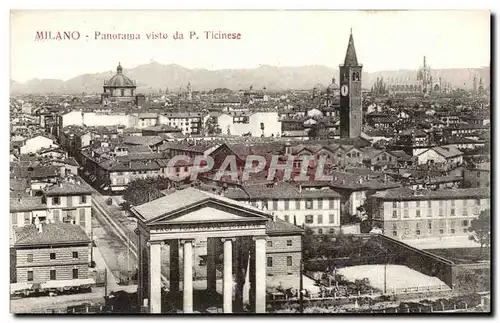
344, 90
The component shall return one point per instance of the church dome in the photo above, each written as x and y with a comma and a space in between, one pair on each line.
120, 79
333, 86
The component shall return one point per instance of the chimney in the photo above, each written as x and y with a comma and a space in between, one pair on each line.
40, 228
300, 188
274, 217
60, 184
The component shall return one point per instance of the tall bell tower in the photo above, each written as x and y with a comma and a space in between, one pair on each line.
351, 117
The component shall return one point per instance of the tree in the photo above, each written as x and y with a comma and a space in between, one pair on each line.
481, 229
141, 190
313, 131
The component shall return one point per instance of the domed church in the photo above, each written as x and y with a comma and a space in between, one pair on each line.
119, 88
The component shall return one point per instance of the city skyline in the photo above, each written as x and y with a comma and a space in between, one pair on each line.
286, 45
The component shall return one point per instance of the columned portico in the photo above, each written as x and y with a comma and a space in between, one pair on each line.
187, 304
190, 215
228, 275
155, 276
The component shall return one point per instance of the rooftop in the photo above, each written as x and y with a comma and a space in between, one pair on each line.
52, 234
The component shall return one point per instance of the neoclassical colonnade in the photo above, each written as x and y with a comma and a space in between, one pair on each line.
236, 228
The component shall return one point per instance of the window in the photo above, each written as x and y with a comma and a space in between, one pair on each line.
52, 255
394, 205
53, 274
309, 219
394, 233
269, 261
275, 204
289, 243
478, 174
441, 231
297, 204
309, 204
287, 204
75, 255
430, 225
465, 223
452, 212
75, 273
478, 202
320, 231
269, 244
429, 204
418, 232
394, 226
394, 214
406, 213
185, 168
418, 203
27, 218
82, 217
464, 211
83, 199
29, 257
320, 203
331, 204
452, 230
30, 275
441, 203
405, 205
287, 218
289, 260
320, 218
56, 200
331, 218
452, 202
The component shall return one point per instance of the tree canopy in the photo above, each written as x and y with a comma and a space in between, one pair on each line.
144, 190
480, 229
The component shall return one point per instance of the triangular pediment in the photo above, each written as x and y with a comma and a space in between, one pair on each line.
209, 213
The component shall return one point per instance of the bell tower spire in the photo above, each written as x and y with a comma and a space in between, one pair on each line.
351, 58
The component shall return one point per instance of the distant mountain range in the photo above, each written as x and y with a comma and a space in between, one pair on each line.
154, 76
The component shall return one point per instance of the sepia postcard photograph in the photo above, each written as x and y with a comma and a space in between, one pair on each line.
250, 162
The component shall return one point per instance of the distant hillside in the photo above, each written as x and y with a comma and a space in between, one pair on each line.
153, 76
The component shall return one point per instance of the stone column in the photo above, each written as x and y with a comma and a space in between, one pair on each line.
188, 276
174, 277
140, 288
155, 277
211, 265
260, 274
228, 275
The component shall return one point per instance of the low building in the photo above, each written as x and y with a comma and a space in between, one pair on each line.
316, 209
46, 253
478, 176
411, 214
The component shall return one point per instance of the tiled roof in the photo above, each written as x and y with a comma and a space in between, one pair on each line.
38, 172
279, 227
27, 203
143, 140
448, 151
67, 189
52, 234
409, 194
280, 190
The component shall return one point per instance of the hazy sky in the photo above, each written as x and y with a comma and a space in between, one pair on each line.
384, 40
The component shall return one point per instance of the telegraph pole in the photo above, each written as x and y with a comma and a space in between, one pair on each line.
385, 274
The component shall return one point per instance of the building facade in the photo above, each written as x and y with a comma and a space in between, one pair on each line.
407, 214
